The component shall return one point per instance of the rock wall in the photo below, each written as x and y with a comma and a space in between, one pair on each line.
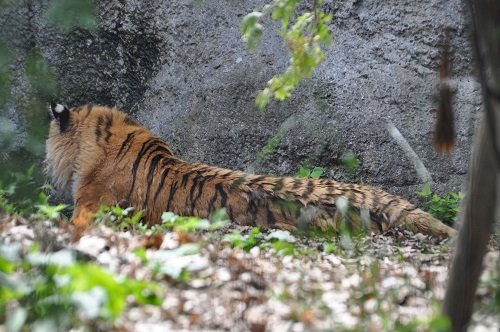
182, 70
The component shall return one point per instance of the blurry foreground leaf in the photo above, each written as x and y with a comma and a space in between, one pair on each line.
42, 77
306, 36
70, 14
5, 74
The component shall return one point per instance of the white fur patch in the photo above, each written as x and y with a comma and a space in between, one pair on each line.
59, 108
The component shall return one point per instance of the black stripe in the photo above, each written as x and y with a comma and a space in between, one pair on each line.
173, 189
252, 207
281, 206
388, 205
297, 183
145, 147
200, 190
222, 193
164, 175
196, 178
278, 185
194, 185
126, 142
258, 179
225, 175
229, 211
89, 109
309, 189
361, 194
375, 215
271, 220
152, 168
98, 132
109, 123
185, 178
212, 202
375, 202
159, 148
329, 187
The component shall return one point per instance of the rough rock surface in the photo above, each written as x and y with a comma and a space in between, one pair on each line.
182, 69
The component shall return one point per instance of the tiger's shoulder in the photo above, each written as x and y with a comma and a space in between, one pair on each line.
81, 138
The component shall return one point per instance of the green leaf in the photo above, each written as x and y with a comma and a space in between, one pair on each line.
6, 266
351, 162
329, 247
251, 29
284, 248
141, 254
263, 99
84, 277
303, 172
440, 323
51, 212
317, 172
425, 192
219, 219
305, 39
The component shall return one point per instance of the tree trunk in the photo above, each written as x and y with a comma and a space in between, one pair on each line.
478, 208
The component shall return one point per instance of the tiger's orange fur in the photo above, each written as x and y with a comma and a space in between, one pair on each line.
99, 155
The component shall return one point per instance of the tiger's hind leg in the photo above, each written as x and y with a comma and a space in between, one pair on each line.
88, 199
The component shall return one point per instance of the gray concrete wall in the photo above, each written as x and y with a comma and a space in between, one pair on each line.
183, 71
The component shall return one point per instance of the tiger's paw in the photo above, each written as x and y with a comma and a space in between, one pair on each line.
82, 219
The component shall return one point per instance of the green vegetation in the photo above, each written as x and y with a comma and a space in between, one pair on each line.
444, 208
48, 211
351, 162
54, 291
436, 322
70, 14
306, 34
19, 197
122, 219
308, 173
23, 123
218, 220
245, 242
281, 241
176, 264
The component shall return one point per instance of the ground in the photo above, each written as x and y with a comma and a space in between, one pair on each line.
241, 279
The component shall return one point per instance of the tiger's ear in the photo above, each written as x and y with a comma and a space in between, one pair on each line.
60, 113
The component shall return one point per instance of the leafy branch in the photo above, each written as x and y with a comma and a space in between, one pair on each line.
306, 36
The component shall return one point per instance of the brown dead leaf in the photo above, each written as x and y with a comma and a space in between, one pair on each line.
307, 317
152, 241
258, 327
184, 238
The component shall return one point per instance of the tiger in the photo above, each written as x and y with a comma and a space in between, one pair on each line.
99, 155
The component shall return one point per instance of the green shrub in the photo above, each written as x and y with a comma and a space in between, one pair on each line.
306, 34
49, 290
444, 208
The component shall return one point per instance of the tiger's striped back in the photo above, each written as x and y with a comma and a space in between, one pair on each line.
99, 155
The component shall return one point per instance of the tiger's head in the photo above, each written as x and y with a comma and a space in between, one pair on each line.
62, 148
